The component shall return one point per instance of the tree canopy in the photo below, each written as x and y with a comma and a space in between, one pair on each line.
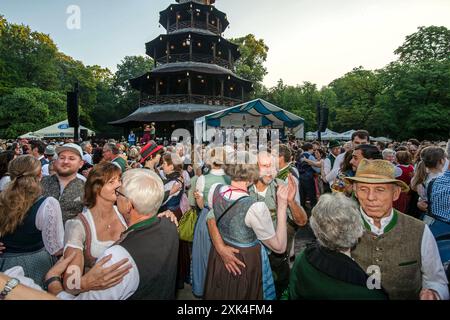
410, 97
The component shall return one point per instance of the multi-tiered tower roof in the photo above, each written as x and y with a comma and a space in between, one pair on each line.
193, 72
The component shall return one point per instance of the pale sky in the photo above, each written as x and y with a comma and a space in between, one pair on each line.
309, 40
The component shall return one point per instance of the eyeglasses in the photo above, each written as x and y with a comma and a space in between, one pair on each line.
118, 193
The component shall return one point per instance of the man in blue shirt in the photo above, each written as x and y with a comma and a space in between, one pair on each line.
131, 139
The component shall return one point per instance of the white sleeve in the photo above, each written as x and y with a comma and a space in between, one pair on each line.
200, 184
433, 274
121, 291
330, 177
297, 193
258, 218
44, 170
338, 161
326, 166
187, 179
211, 195
75, 236
169, 186
49, 222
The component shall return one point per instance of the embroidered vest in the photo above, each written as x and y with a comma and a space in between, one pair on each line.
397, 253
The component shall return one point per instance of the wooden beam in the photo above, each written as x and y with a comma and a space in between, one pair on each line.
222, 89
168, 51
189, 87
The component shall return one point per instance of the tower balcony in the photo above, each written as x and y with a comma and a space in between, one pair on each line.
204, 58
183, 99
214, 28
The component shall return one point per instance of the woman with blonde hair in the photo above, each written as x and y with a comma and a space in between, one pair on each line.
31, 226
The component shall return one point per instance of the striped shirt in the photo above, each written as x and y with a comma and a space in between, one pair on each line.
440, 196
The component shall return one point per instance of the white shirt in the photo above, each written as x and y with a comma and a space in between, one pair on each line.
87, 158
49, 222
433, 274
326, 169
44, 170
338, 162
121, 291
258, 215
261, 193
201, 180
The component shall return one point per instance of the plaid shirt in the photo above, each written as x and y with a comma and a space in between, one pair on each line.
440, 196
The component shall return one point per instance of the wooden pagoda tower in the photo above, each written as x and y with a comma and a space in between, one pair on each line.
193, 72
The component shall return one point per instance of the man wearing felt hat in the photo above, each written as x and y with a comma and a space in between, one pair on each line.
402, 247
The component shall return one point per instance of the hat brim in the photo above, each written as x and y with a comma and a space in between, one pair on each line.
152, 152
58, 150
401, 184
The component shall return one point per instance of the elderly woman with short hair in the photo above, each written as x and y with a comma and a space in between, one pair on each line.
326, 270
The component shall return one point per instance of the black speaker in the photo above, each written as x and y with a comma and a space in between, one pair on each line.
83, 134
72, 109
323, 119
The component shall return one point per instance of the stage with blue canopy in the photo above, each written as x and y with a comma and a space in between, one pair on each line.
256, 113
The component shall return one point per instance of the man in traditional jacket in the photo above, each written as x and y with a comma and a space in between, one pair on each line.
400, 249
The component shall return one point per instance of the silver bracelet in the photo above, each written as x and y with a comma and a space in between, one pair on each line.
9, 286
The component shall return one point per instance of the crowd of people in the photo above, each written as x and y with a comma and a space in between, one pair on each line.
138, 220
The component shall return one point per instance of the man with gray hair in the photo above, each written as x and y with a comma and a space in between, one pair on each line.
388, 155
150, 244
87, 152
112, 153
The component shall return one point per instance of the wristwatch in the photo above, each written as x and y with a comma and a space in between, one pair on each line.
10, 285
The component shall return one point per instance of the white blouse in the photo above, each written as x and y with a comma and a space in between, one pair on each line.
75, 236
49, 221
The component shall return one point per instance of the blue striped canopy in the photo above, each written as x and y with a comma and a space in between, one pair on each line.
259, 107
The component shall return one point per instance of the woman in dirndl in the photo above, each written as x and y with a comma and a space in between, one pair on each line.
31, 226
247, 226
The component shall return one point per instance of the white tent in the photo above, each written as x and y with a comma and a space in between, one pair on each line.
381, 139
30, 135
57, 130
347, 135
325, 135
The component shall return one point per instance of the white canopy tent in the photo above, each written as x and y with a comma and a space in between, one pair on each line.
325, 135
57, 130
